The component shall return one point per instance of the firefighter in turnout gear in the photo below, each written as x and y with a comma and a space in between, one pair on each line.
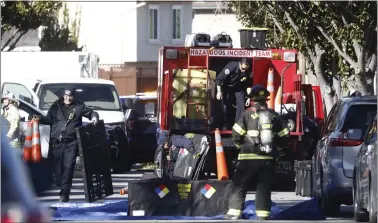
257, 133
12, 118
232, 84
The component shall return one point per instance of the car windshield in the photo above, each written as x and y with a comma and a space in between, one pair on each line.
145, 107
95, 96
359, 117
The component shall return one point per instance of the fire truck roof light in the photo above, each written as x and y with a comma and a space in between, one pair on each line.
171, 54
276, 56
289, 56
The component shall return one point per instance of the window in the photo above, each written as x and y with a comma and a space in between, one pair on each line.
329, 125
177, 22
153, 24
359, 117
96, 96
19, 90
372, 131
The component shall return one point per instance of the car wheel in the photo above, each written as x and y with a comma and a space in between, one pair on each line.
161, 165
360, 215
373, 218
329, 207
372, 213
122, 159
158, 162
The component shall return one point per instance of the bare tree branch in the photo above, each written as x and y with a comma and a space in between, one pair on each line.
14, 44
277, 23
347, 15
296, 29
9, 40
337, 47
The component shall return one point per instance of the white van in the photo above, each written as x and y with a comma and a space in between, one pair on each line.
98, 94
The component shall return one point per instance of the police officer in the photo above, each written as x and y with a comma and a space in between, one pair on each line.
64, 116
232, 83
257, 134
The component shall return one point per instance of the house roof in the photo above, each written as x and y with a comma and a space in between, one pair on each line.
208, 5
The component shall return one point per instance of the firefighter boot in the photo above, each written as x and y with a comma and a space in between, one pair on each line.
64, 198
229, 217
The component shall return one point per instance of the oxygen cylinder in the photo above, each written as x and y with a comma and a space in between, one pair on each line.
266, 131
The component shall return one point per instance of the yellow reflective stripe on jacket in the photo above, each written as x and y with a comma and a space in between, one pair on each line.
237, 145
283, 132
266, 126
253, 133
262, 213
234, 212
255, 115
253, 156
189, 135
238, 129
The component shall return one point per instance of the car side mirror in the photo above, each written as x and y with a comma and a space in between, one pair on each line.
354, 134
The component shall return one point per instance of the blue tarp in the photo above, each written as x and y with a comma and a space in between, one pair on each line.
117, 210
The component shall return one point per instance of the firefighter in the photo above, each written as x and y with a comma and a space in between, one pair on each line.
257, 133
12, 118
232, 83
64, 115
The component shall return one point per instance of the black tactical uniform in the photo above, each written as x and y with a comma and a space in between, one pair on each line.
64, 119
257, 134
234, 83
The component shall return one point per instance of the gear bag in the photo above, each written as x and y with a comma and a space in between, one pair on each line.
184, 158
188, 161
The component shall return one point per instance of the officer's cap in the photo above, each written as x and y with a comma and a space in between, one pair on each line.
258, 91
69, 90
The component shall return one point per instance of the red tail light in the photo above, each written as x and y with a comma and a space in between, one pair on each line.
130, 124
344, 142
6, 219
17, 214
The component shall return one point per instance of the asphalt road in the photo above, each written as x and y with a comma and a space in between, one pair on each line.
283, 199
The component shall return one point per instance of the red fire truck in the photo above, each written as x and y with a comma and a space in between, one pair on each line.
304, 99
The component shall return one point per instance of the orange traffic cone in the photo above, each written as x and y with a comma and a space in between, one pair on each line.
221, 159
277, 101
124, 191
28, 142
270, 88
36, 154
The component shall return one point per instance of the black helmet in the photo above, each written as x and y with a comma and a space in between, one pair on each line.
258, 91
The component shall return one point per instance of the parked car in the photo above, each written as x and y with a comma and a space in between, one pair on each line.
141, 125
365, 178
117, 141
18, 202
336, 151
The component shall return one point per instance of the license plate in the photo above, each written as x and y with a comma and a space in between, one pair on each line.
228, 142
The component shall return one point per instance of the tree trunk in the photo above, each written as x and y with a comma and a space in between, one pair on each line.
336, 81
328, 92
361, 78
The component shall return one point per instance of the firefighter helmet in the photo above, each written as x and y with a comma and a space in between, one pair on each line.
258, 91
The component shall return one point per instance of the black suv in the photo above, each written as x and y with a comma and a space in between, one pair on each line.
141, 126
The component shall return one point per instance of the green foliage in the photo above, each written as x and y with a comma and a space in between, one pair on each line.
61, 37
330, 25
30, 15
26, 15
